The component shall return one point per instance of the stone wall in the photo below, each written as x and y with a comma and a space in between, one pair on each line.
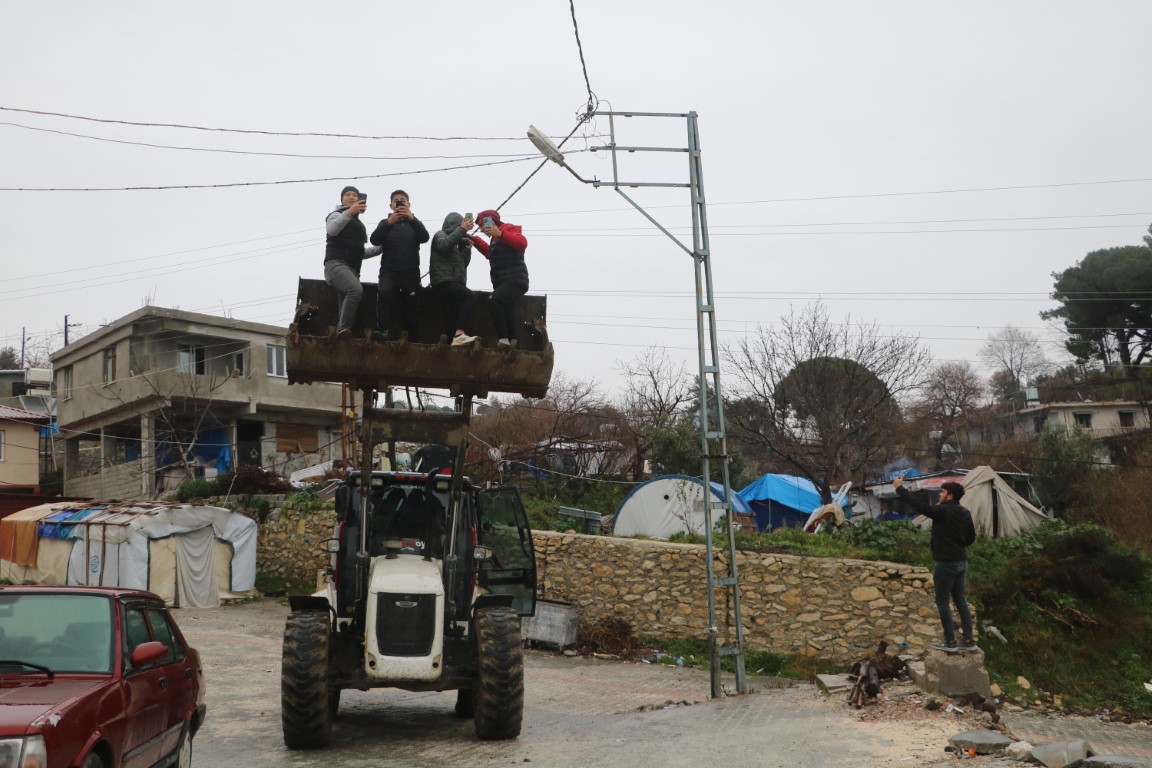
118, 481
820, 607
813, 606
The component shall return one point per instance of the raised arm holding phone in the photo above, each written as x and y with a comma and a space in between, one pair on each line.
344, 251
505, 253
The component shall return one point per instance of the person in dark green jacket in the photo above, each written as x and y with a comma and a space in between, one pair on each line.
448, 274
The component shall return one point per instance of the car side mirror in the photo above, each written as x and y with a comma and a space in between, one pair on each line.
148, 653
331, 546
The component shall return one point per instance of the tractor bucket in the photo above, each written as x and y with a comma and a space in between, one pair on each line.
316, 354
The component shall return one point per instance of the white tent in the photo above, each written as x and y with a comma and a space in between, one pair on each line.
670, 504
997, 510
191, 556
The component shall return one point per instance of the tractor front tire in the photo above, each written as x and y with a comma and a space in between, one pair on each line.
305, 702
498, 690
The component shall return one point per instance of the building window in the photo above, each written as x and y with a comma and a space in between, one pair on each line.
109, 365
1127, 419
66, 383
1083, 420
297, 438
238, 366
1038, 424
190, 358
276, 361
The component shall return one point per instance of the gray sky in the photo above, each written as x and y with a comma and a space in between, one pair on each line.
812, 115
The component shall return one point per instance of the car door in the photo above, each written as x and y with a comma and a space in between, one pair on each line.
504, 529
145, 699
178, 669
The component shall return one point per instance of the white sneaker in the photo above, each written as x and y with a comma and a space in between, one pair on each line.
464, 339
503, 344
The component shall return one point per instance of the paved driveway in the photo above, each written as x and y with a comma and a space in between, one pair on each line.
579, 712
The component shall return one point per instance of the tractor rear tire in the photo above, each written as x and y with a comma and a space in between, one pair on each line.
498, 690
305, 702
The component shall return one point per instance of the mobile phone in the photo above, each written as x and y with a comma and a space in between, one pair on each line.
487, 222
467, 216
363, 197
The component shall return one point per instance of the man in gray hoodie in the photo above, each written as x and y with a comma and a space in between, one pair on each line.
448, 272
344, 251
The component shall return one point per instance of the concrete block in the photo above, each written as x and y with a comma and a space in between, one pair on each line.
957, 673
984, 742
1061, 753
834, 683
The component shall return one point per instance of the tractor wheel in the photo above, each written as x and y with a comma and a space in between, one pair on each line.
498, 690
464, 707
305, 703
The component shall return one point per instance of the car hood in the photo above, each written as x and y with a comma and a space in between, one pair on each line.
25, 699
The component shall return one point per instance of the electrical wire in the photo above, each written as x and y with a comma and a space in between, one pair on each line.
259, 132
261, 154
161, 187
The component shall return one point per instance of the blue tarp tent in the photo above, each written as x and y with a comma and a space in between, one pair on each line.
780, 501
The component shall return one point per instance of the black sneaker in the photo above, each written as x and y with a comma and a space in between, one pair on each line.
948, 646
379, 335
968, 645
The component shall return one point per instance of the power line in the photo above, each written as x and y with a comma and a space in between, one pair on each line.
862, 196
252, 152
592, 101
160, 187
260, 132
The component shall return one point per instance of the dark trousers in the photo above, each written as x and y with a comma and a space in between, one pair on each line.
503, 307
458, 301
950, 588
398, 304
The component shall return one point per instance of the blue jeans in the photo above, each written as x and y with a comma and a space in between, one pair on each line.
949, 578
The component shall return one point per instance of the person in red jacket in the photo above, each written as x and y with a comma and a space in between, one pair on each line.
505, 253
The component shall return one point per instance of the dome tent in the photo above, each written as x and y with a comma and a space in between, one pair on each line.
670, 504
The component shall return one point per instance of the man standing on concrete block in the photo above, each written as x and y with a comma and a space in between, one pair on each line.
952, 533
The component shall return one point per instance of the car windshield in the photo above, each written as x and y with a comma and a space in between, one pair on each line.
63, 632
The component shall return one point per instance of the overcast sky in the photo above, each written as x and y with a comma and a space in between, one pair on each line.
835, 138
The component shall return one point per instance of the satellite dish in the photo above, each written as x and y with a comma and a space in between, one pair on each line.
495, 454
545, 145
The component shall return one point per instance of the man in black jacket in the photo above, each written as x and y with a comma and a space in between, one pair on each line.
400, 236
952, 533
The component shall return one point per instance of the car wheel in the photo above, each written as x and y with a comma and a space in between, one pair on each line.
305, 704
93, 760
498, 690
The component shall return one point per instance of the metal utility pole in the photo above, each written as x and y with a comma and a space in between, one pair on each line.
713, 435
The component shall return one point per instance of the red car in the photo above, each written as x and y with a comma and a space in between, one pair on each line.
95, 677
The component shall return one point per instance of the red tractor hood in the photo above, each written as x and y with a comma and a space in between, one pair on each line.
26, 698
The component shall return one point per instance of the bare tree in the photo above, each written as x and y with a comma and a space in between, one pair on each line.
1017, 352
820, 396
657, 392
952, 392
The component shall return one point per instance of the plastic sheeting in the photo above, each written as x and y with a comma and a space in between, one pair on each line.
188, 555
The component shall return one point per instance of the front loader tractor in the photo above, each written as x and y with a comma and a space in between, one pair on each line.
429, 574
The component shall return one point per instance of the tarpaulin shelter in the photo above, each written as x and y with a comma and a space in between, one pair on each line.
997, 510
192, 556
671, 504
780, 501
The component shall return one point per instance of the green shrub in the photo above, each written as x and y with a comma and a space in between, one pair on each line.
196, 488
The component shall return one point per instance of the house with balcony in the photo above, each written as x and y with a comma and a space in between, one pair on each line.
161, 395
